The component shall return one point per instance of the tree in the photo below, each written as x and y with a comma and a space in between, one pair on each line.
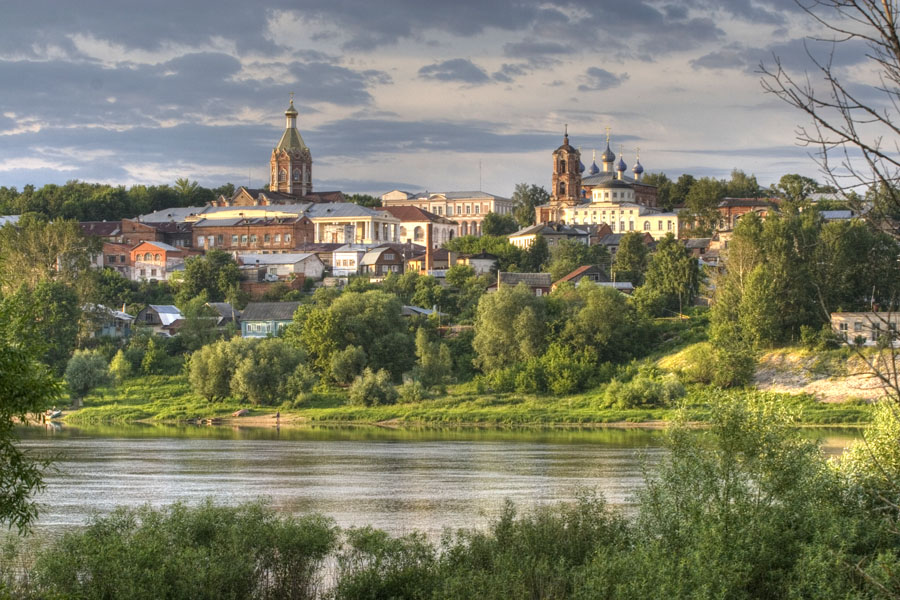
497, 224
86, 371
741, 185
372, 388
199, 326
664, 187
568, 255
154, 361
26, 387
212, 367
347, 364
47, 319
854, 127
700, 205
795, 188
525, 198
364, 200
498, 342
631, 258
215, 273
264, 375
435, 364
673, 273
120, 367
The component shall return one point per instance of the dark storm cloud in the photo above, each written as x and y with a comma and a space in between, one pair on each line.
86, 93
532, 49
596, 79
455, 69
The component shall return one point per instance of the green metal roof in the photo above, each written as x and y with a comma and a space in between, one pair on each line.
291, 140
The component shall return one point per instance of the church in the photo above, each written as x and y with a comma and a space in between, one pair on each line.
290, 173
595, 196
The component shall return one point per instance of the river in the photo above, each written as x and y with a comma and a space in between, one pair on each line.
396, 480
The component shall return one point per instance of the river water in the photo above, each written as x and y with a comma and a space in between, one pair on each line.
398, 481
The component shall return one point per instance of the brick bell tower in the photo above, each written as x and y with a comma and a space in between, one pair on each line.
566, 181
291, 162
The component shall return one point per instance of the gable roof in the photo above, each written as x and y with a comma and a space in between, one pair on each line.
101, 228
415, 214
161, 246
269, 311
274, 259
530, 279
582, 271
550, 229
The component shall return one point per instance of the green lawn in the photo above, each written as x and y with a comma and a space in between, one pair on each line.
169, 399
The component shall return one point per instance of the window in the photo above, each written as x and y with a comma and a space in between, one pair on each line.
449, 211
468, 209
110, 258
612, 226
244, 240
282, 176
199, 241
234, 240
670, 225
252, 238
857, 326
630, 225
615, 194
122, 258
296, 174
157, 258
437, 210
210, 241
144, 274
621, 225
388, 256
562, 166
287, 238
562, 188
152, 272
220, 239
646, 225
659, 225
477, 209
266, 238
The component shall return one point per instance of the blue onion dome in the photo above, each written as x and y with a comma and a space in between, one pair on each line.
594, 168
621, 166
608, 155
638, 168
580, 166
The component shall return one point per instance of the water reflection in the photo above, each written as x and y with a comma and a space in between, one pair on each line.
398, 480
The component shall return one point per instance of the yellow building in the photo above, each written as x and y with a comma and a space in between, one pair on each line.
613, 203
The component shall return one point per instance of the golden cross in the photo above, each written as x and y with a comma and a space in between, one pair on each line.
292, 97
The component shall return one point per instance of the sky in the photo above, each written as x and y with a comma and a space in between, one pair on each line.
397, 94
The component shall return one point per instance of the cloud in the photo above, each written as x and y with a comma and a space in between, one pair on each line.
533, 49
456, 69
596, 79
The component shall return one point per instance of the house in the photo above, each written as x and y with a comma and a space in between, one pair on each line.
163, 319
414, 225
866, 327
732, 209
381, 261
551, 232
482, 262
441, 259
109, 231
467, 209
415, 311
248, 234
587, 272
108, 322
284, 266
155, 261
612, 240
325, 252
347, 259
698, 247
264, 319
227, 313
539, 283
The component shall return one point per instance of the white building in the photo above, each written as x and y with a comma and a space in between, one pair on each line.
285, 265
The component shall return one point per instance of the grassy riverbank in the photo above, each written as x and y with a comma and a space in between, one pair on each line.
170, 399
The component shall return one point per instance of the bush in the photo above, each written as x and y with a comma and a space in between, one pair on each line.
348, 363
86, 370
412, 391
120, 367
192, 553
643, 391
371, 388
264, 375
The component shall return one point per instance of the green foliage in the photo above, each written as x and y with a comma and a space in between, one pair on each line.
631, 258
525, 199
120, 367
568, 255
509, 327
348, 363
412, 391
204, 552
212, 367
644, 390
26, 387
673, 276
795, 188
199, 327
509, 257
366, 200
371, 320
154, 360
215, 273
372, 388
263, 376
700, 205
435, 364
497, 224
87, 370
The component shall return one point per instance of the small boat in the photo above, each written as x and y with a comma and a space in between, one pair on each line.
54, 414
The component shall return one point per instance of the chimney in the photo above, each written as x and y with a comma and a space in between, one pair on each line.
428, 256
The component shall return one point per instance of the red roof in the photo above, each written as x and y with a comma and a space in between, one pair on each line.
413, 214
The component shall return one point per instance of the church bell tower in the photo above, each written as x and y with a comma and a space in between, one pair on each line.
291, 162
